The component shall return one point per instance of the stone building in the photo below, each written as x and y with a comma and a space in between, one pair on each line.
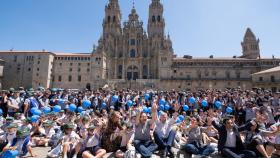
1, 71
126, 56
267, 79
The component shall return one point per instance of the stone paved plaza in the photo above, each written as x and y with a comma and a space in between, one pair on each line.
41, 152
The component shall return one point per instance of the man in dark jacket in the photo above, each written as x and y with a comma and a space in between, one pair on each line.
230, 143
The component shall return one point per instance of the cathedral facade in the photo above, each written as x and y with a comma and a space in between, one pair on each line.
128, 51
127, 56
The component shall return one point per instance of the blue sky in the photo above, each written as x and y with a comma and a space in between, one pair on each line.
197, 27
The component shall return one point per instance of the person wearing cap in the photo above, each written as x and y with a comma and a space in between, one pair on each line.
47, 131
7, 122
21, 143
8, 136
69, 140
30, 103
14, 103
85, 122
230, 143
90, 145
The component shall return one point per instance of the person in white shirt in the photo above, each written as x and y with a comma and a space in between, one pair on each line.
69, 140
14, 104
127, 140
8, 136
164, 135
47, 131
90, 147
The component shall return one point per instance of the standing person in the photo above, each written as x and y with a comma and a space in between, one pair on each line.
230, 143
143, 141
164, 135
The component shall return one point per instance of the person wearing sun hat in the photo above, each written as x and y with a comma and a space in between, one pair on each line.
69, 140
46, 133
90, 146
8, 136
21, 143
14, 103
7, 122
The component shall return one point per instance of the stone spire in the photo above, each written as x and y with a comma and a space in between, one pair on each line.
250, 45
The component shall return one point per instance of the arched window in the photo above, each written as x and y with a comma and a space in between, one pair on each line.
132, 53
145, 72
114, 18
132, 42
120, 69
227, 74
272, 78
158, 18
153, 19
108, 18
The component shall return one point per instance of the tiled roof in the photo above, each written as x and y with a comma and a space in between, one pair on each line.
275, 69
72, 54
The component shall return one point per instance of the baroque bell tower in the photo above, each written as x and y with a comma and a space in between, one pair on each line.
156, 22
112, 20
250, 45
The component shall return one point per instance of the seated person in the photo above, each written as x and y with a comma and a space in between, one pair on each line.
21, 143
254, 141
69, 140
143, 142
47, 132
90, 147
230, 143
127, 140
8, 136
164, 134
195, 144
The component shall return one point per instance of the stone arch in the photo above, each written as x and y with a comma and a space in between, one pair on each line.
132, 72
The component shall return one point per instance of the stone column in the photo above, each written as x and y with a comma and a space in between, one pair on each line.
123, 70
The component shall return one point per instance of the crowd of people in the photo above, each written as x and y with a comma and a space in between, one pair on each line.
232, 123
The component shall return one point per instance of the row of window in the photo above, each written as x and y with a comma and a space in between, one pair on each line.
79, 78
73, 58
71, 64
154, 18
214, 73
79, 69
180, 64
272, 79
